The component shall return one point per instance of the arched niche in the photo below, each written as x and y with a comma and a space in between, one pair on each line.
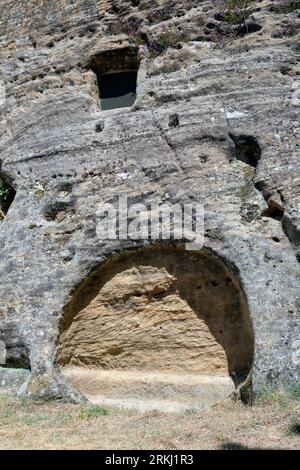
159, 310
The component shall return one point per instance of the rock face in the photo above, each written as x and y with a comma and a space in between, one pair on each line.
215, 121
147, 391
185, 314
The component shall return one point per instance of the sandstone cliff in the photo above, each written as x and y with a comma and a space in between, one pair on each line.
215, 121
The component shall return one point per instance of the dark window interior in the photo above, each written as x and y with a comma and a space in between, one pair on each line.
116, 72
117, 90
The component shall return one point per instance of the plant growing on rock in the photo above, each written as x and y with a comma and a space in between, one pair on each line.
129, 26
157, 16
234, 17
233, 11
166, 36
171, 37
6, 196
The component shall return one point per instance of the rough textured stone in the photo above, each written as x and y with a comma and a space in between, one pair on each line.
146, 391
12, 379
63, 156
185, 314
2, 353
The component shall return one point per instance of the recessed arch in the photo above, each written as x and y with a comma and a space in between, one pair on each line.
160, 309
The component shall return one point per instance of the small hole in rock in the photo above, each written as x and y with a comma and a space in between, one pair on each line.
274, 213
55, 209
174, 120
247, 149
99, 127
115, 351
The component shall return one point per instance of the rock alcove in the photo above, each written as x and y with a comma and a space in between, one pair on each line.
158, 328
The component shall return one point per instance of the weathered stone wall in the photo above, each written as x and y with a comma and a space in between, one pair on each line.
63, 155
160, 309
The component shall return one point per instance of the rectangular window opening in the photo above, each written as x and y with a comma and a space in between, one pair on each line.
116, 72
117, 90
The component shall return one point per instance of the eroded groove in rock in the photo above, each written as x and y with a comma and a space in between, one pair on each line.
292, 232
277, 210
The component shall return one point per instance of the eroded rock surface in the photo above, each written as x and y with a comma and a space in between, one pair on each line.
201, 90
153, 391
176, 311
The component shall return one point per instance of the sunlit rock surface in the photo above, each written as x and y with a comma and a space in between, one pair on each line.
215, 121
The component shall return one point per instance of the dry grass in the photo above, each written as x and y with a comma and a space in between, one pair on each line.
271, 424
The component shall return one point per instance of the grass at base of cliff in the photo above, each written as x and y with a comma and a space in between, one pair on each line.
270, 424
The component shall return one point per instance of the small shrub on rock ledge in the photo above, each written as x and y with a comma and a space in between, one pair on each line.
233, 11
171, 37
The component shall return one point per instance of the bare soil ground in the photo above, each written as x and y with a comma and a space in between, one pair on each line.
273, 423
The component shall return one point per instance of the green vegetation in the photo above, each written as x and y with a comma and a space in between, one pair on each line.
228, 445
4, 191
282, 398
27, 424
93, 412
157, 16
234, 11
170, 38
6, 197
